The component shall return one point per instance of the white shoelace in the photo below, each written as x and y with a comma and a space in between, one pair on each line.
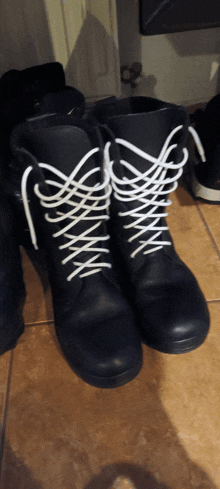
89, 203
154, 182
198, 143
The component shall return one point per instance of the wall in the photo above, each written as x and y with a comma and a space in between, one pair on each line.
181, 67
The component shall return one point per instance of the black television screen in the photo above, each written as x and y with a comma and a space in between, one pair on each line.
163, 16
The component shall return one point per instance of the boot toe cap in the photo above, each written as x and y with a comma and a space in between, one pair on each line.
104, 354
105, 370
176, 323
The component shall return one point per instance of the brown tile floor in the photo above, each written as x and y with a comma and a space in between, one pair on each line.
160, 431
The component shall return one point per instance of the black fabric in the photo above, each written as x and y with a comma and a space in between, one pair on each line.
35, 81
207, 124
12, 289
35, 91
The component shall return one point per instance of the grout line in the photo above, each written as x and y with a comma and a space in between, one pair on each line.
208, 229
213, 301
39, 323
5, 412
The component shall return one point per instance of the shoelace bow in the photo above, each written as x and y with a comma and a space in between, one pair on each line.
78, 211
154, 182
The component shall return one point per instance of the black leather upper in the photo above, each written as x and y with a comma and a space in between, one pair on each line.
170, 307
94, 323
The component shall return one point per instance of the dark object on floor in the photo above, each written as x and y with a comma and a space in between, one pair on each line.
205, 167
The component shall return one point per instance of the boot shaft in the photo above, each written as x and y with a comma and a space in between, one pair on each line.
145, 156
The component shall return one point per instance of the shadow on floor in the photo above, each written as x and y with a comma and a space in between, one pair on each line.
15, 475
87, 438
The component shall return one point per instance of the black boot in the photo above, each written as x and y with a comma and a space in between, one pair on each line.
27, 93
205, 167
34, 82
12, 290
35, 91
145, 162
58, 164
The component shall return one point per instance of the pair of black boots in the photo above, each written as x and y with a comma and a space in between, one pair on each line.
91, 191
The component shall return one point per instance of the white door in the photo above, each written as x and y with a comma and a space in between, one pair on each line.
80, 34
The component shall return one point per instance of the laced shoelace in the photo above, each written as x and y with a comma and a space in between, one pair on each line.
90, 202
198, 143
148, 192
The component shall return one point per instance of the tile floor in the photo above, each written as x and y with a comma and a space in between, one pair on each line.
160, 431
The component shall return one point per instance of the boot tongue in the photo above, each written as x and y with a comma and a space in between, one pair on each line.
146, 131
60, 146
63, 146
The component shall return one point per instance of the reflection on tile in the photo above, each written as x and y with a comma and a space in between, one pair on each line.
64, 434
4, 373
194, 244
123, 483
38, 306
191, 396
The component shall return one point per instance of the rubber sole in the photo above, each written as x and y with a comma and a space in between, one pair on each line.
178, 347
205, 193
200, 191
109, 382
